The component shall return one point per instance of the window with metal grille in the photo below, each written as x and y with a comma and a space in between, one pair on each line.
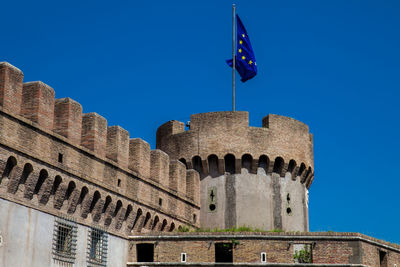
64, 240
97, 247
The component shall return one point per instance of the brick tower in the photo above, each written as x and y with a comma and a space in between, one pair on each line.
250, 176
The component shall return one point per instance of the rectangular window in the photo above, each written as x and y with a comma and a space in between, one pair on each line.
263, 257
97, 247
64, 240
382, 258
145, 252
183, 257
223, 252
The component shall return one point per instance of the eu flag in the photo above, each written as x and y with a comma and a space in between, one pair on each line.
244, 59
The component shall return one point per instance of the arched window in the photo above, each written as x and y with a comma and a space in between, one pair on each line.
70, 190
82, 196
164, 224
263, 162
292, 166
197, 165
278, 165
301, 170
147, 219
138, 215
95, 199
247, 160
156, 220
25, 174
56, 184
106, 204
229, 163
117, 208
11, 163
128, 212
42, 177
213, 165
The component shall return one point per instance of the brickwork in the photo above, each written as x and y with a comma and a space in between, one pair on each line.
63, 162
327, 248
66, 163
222, 133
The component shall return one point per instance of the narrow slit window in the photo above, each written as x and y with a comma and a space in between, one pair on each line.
263, 257
183, 257
60, 157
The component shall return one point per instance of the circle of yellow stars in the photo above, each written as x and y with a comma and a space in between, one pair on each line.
240, 51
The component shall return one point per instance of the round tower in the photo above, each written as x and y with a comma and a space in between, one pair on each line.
250, 176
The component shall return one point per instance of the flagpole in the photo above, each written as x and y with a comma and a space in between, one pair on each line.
233, 57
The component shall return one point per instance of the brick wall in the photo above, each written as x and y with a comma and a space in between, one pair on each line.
327, 248
52, 136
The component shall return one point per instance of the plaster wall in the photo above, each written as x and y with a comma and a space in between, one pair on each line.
255, 200
27, 239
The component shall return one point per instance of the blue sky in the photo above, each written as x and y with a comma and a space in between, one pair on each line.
331, 64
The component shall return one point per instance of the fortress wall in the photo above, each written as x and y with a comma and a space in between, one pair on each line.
56, 135
328, 249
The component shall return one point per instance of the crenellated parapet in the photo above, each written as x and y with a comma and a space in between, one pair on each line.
219, 142
54, 139
268, 168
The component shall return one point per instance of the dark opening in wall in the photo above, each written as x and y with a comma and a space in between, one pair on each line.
194, 218
56, 185
289, 211
230, 163
263, 162
42, 177
197, 165
213, 165
70, 189
160, 202
26, 172
292, 165
246, 162
183, 161
223, 252
82, 196
145, 252
117, 208
301, 170
382, 258
106, 204
11, 163
60, 157
163, 225
128, 212
212, 207
278, 165
96, 198
119, 183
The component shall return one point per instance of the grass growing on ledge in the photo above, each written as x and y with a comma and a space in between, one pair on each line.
233, 229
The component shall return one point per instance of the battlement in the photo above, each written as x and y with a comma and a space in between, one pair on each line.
57, 134
219, 142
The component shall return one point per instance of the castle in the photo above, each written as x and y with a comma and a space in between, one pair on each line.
77, 192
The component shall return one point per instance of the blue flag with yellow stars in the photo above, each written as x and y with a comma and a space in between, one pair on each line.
245, 59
